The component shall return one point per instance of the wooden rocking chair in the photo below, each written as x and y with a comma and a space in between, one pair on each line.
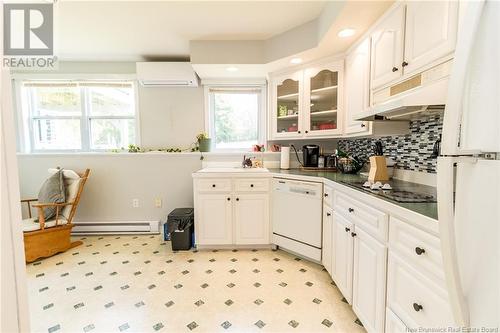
48, 237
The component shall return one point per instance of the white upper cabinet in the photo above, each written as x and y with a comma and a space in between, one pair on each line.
412, 38
431, 32
287, 105
387, 49
323, 100
307, 103
357, 85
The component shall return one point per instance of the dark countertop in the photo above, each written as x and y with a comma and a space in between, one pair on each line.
426, 209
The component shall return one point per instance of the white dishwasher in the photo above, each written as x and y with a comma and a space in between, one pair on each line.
297, 216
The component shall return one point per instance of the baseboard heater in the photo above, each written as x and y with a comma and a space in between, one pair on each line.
116, 227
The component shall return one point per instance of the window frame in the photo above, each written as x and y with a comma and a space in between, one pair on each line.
261, 115
24, 101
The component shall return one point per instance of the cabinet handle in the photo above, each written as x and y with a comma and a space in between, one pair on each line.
347, 229
326, 194
298, 132
228, 199
351, 210
213, 185
395, 69
404, 64
237, 199
363, 125
419, 250
417, 307
328, 214
307, 132
251, 185
353, 234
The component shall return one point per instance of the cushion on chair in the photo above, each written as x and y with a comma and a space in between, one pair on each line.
32, 225
71, 183
52, 191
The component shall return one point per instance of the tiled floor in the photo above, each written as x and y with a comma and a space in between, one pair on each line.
137, 284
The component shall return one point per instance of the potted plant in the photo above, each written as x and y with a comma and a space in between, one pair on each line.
204, 142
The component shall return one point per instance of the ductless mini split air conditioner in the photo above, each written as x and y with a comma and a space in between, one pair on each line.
166, 74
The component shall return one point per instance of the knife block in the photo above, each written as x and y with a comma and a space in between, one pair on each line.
378, 169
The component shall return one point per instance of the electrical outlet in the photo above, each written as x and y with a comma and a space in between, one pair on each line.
158, 202
135, 203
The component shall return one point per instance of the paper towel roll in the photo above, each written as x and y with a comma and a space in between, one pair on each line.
285, 158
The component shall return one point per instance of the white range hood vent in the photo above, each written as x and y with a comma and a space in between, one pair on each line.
166, 74
422, 94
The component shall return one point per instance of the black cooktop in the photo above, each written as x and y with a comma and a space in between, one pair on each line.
396, 194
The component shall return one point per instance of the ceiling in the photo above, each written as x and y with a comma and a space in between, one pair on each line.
153, 30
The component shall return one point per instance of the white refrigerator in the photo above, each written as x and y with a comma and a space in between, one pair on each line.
468, 170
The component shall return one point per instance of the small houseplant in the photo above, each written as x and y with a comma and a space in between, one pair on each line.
204, 142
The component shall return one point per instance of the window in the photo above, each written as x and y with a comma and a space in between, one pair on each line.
79, 115
236, 117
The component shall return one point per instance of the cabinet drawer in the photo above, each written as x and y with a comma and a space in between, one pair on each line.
328, 196
370, 219
419, 247
252, 185
213, 185
415, 299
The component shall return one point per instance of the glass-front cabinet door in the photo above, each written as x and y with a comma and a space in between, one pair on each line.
287, 109
323, 100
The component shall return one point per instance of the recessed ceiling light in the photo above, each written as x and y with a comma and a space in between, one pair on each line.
348, 32
232, 69
296, 60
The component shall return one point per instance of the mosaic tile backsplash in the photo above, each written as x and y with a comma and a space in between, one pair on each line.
411, 152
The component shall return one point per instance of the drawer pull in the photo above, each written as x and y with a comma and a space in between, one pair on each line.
419, 250
237, 199
347, 229
417, 307
213, 185
228, 199
353, 234
351, 210
251, 185
326, 194
328, 214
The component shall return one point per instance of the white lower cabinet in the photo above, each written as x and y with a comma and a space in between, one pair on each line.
251, 219
393, 324
414, 297
327, 249
214, 219
342, 255
231, 211
369, 279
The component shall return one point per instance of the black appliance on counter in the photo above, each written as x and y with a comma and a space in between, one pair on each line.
310, 154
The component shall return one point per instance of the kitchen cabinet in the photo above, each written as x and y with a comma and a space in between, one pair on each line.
214, 220
342, 258
307, 103
413, 37
393, 324
357, 88
327, 249
231, 210
430, 34
387, 48
287, 108
369, 279
251, 218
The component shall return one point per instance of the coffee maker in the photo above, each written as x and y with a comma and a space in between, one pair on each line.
310, 154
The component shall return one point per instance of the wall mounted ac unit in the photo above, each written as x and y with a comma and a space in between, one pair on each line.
166, 74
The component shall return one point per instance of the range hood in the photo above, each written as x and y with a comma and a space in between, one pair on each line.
166, 74
422, 94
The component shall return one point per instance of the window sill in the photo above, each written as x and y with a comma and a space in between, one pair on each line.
127, 154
